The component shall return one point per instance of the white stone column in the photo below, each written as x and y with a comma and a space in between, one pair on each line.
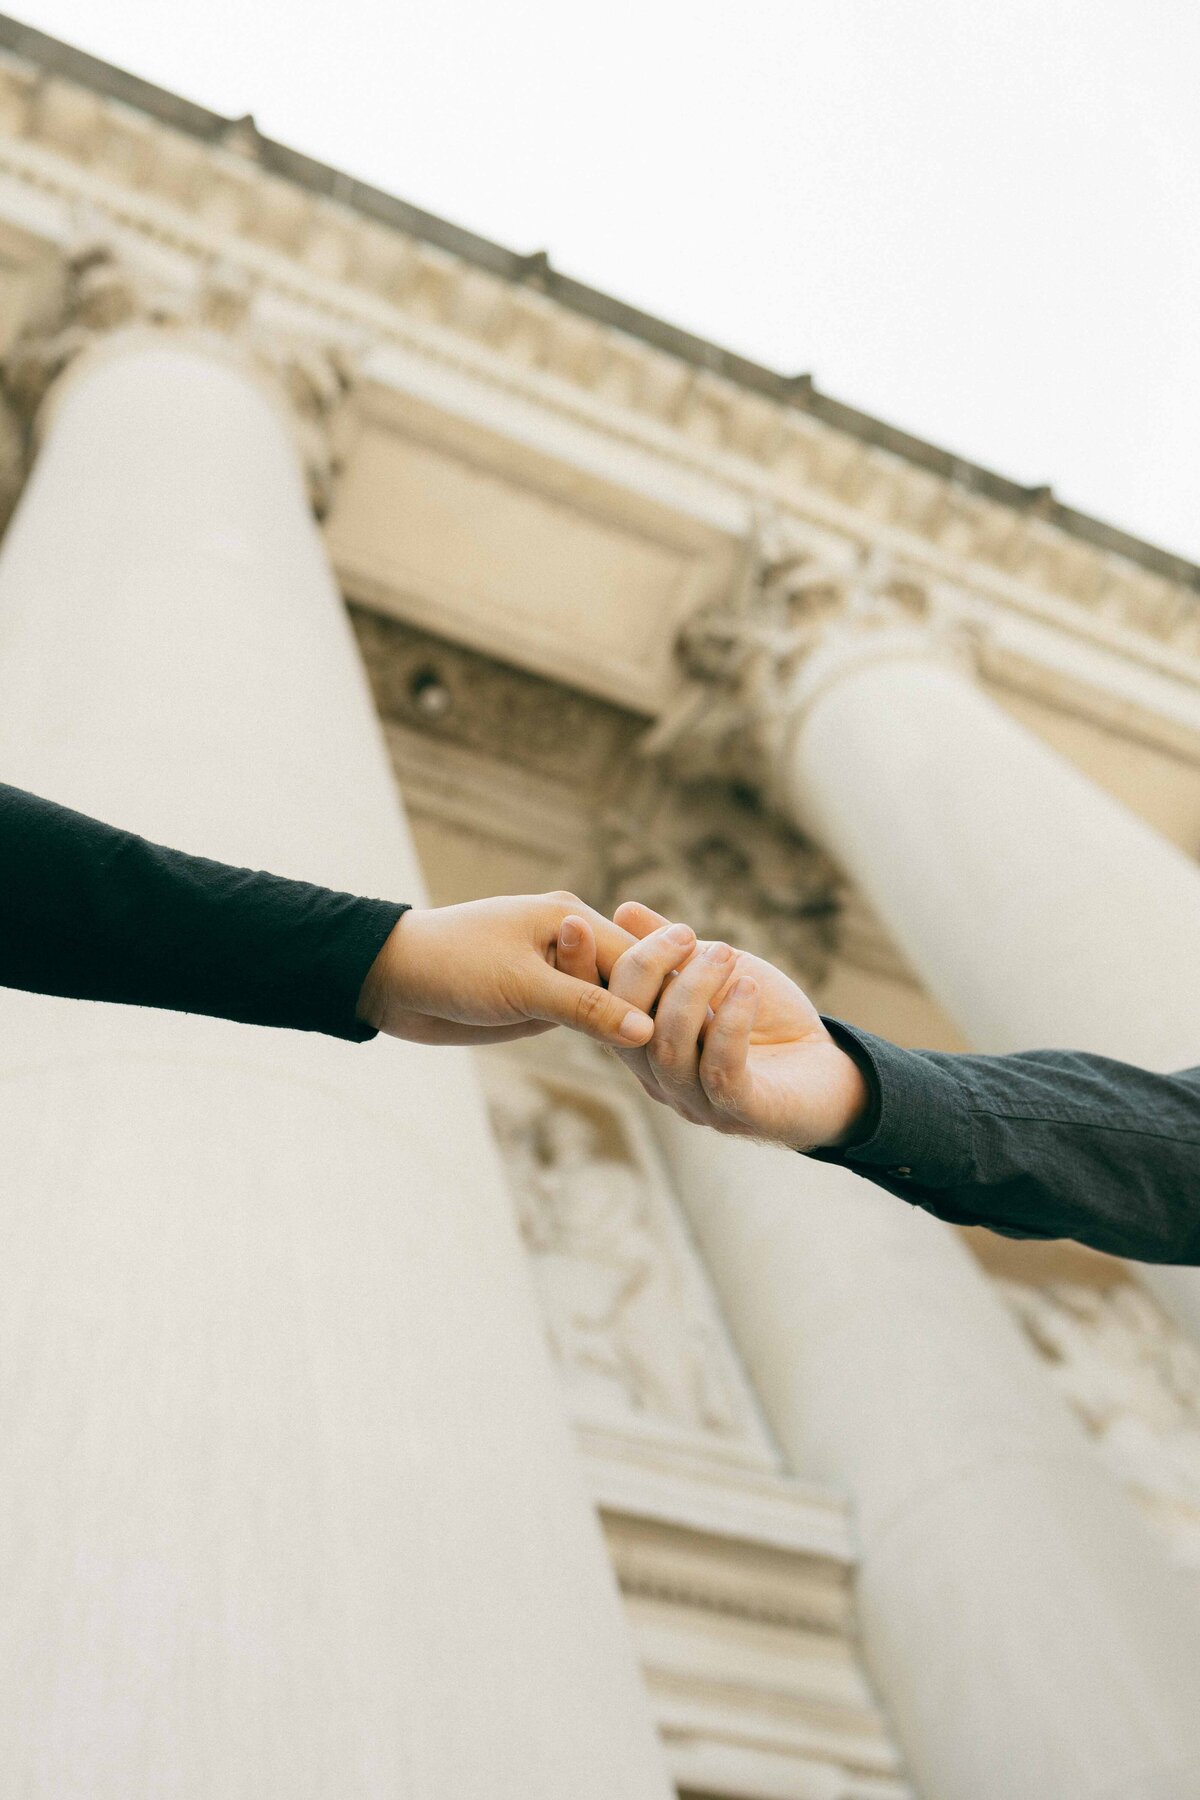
288, 1505
1035, 908
1028, 1635
1026, 1630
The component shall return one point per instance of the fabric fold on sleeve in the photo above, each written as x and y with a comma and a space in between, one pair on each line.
918, 1129
1034, 1144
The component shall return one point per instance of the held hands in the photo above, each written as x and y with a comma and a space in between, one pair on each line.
486, 971
736, 1045
721, 1036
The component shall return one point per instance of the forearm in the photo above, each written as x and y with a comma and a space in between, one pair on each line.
96, 913
1042, 1144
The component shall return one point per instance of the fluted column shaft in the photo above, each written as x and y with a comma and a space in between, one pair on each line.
289, 1505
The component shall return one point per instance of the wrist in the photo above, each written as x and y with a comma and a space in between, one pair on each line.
837, 1103
383, 981
854, 1101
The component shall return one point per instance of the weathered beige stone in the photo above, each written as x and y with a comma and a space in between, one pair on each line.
343, 1432
291, 1504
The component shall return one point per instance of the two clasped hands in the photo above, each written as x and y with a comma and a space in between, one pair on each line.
722, 1037
1033, 1143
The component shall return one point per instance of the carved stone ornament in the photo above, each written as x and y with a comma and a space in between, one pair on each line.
1133, 1379
793, 596
707, 853
101, 292
623, 1312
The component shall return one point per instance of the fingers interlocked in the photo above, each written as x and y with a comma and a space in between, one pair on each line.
696, 1061
686, 1005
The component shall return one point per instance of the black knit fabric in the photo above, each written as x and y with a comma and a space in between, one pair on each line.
96, 913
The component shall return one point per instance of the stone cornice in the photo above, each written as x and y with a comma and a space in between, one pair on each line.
50, 58
801, 613
374, 282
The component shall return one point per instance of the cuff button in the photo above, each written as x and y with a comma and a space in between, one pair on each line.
904, 1173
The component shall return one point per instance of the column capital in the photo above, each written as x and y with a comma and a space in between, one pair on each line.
103, 296
802, 614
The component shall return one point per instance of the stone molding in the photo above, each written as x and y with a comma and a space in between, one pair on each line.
736, 1576
369, 278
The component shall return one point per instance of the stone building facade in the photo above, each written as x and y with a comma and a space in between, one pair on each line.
384, 1423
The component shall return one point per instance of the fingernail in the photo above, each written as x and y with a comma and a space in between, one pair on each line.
745, 989
569, 934
633, 1028
719, 953
680, 934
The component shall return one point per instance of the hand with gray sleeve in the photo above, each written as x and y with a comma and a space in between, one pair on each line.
1040, 1144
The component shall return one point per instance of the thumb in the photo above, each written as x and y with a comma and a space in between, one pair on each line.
563, 1000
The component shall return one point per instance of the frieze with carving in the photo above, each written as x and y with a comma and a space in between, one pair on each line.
466, 697
698, 849
626, 1316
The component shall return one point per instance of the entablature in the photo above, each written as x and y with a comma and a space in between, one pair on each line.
549, 487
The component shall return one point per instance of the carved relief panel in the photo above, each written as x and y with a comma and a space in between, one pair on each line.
1133, 1378
628, 1313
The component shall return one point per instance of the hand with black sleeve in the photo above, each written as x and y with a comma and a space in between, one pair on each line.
96, 913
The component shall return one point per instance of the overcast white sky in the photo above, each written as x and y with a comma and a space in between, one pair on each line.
978, 221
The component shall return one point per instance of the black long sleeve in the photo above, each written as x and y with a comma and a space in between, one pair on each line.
1041, 1144
96, 913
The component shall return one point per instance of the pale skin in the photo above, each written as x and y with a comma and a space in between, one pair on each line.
721, 1036
736, 1044
487, 971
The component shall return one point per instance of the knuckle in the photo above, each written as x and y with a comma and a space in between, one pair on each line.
643, 958
589, 1005
565, 898
722, 1094
717, 1082
721, 1084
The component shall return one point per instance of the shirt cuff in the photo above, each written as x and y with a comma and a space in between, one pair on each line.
365, 930
918, 1128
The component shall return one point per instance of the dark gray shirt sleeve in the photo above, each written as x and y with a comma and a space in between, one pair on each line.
1041, 1144
96, 913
